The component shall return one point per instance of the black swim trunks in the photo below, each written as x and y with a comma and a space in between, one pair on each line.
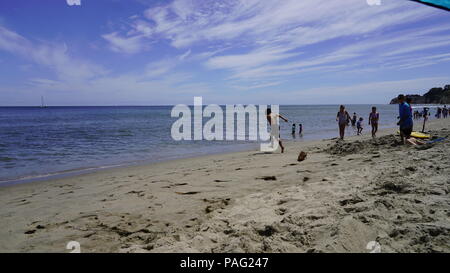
406, 131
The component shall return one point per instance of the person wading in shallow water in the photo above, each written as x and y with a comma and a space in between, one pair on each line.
272, 118
342, 118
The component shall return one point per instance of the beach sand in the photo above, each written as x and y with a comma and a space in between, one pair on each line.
343, 196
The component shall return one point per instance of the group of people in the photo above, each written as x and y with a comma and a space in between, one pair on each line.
425, 113
405, 122
300, 129
272, 119
421, 114
343, 118
442, 112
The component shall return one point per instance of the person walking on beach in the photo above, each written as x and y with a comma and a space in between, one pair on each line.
272, 118
374, 116
439, 112
445, 111
359, 126
300, 129
342, 118
425, 117
293, 129
406, 121
354, 119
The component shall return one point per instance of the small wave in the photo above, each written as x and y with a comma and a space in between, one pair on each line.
7, 159
59, 174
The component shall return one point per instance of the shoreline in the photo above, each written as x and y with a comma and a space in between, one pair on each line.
93, 169
89, 170
65, 151
244, 201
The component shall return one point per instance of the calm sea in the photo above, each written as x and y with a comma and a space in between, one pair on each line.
37, 142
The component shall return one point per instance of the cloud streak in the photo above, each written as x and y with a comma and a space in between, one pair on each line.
53, 56
274, 38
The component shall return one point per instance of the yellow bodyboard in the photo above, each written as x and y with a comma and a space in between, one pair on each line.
418, 135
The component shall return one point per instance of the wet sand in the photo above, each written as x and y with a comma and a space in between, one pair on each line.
343, 196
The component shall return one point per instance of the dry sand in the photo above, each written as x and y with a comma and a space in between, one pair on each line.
341, 197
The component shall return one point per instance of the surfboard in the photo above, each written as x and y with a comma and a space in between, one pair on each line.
418, 135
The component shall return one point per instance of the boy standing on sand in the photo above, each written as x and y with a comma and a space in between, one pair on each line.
374, 116
406, 121
342, 118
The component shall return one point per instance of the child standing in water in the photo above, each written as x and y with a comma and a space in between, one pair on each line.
359, 126
374, 116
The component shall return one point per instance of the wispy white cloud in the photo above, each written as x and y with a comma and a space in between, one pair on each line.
51, 55
249, 60
83, 77
130, 45
282, 38
256, 85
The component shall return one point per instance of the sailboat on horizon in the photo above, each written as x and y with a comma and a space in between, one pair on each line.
42, 102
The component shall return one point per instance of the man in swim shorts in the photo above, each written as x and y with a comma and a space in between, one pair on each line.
406, 121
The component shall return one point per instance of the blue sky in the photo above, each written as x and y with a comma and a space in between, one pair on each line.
139, 52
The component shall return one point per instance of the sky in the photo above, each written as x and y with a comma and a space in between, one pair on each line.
164, 52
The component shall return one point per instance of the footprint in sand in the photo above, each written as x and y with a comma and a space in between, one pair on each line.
268, 178
138, 193
188, 193
174, 185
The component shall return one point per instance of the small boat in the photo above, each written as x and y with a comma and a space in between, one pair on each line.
42, 102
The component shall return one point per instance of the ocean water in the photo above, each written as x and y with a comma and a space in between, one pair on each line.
36, 142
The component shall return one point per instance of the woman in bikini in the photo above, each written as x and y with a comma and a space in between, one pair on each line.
342, 118
374, 116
